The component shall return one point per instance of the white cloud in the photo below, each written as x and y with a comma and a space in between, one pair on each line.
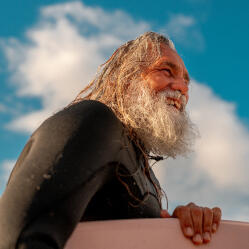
60, 57
117, 23
223, 150
6, 167
217, 172
184, 30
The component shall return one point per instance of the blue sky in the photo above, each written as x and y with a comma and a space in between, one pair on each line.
49, 50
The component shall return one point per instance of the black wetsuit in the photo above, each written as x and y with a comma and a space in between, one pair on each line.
74, 167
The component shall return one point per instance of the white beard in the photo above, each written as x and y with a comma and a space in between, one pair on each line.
164, 130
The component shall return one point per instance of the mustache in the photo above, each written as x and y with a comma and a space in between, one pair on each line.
174, 95
162, 130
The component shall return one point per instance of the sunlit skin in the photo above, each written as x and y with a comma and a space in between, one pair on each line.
169, 72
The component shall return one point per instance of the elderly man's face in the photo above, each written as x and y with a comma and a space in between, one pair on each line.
154, 106
168, 73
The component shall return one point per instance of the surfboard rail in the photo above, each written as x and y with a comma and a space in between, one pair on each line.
153, 233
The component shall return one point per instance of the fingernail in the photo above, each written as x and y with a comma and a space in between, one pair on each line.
206, 236
214, 227
189, 231
197, 238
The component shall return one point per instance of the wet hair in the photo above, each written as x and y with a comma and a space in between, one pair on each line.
113, 78
126, 64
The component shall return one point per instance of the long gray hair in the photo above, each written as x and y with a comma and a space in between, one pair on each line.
126, 64
110, 85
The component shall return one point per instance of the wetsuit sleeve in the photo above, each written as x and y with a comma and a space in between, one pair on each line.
65, 162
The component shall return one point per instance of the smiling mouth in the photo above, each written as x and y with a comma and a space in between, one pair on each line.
174, 103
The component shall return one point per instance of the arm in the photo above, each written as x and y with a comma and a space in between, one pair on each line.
197, 223
63, 166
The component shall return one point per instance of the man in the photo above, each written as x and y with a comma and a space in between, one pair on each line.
90, 161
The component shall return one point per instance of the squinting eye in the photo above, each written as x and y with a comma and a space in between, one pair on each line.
167, 71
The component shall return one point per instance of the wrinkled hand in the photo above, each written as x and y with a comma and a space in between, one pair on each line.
197, 223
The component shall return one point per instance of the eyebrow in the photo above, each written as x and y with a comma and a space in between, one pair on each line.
175, 68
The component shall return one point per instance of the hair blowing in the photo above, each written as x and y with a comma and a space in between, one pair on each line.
114, 77
126, 64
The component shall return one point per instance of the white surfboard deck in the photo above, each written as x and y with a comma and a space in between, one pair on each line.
153, 234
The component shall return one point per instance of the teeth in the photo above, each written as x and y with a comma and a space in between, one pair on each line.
177, 105
173, 103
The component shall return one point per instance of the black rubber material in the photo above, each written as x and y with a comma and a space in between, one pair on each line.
70, 171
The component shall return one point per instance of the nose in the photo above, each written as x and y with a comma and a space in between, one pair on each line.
180, 85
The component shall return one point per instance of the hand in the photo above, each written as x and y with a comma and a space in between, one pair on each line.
198, 223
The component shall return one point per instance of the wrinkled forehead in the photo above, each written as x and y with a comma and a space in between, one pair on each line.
165, 56
163, 50
155, 50
167, 52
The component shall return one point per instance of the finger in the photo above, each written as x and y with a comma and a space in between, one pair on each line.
207, 224
183, 213
216, 218
164, 214
192, 204
197, 217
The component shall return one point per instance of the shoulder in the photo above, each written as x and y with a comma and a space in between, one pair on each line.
87, 114
87, 107
90, 121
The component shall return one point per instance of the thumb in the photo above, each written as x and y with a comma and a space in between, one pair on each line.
164, 214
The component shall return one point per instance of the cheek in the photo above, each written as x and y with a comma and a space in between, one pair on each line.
157, 81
